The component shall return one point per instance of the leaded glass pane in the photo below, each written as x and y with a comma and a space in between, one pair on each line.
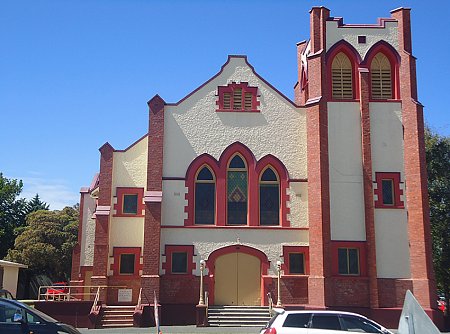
237, 197
130, 204
296, 263
126, 264
388, 193
343, 261
205, 174
237, 162
353, 265
179, 262
204, 203
268, 175
269, 204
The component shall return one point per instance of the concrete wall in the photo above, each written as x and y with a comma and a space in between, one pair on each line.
346, 179
10, 276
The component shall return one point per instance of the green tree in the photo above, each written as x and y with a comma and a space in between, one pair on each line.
438, 165
46, 242
35, 204
12, 212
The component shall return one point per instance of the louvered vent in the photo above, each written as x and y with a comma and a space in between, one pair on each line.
380, 70
226, 100
248, 101
237, 99
341, 72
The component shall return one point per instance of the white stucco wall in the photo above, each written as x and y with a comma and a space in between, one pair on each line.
392, 244
206, 241
10, 276
129, 170
387, 156
346, 179
194, 127
350, 34
87, 232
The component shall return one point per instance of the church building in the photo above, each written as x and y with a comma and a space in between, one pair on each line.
239, 183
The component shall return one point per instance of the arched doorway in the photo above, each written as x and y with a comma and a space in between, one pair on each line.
237, 274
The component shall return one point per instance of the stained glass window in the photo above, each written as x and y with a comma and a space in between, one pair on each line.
269, 198
205, 193
237, 195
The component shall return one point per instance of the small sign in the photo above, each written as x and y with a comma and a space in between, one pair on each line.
124, 295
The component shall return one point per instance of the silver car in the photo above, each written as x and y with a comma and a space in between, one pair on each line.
320, 322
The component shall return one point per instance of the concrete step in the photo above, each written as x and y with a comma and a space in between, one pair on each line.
238, 316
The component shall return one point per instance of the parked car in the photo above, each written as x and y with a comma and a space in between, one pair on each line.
19, 318
6, 294
320, 322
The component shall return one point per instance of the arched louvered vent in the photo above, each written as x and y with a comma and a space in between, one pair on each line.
342, 83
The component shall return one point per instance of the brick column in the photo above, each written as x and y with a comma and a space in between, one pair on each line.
150, 279
368, 186
422, 274
318, 169
101, 243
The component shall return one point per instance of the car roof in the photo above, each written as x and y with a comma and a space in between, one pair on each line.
320, 312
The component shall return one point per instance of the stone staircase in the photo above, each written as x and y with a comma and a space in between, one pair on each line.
117, 316
238, 316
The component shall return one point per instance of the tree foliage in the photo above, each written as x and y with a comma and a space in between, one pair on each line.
12, 212
35, 204
46, 242
438, 165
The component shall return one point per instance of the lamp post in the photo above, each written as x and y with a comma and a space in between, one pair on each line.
202, 267
278, 285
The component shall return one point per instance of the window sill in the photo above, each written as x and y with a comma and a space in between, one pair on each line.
239, 111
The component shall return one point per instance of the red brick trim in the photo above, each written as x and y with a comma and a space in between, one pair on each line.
355, 59
295, 249
120, 192
395, 177
211, 261
115, 267
219, 168
394, 59
230, 89
170, 249
360, 245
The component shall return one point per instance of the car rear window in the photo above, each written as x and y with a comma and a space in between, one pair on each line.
326, 322
297, 320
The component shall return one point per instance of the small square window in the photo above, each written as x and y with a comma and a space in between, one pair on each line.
388, 190
130, 204
296, 263
126, 264
348, 261
362, 39
179, 262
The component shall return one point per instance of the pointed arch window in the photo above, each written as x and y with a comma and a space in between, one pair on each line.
237, 191
381, 77
341, 72
205, 194
269, 198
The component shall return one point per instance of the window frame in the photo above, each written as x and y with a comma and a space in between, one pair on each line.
167, 264
361, 246
117, 257
395, 178
277, 183
231, 89
121, 192
237, 169
197, 181
286, 267
347, 253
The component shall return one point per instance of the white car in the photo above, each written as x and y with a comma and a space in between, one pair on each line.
320, 322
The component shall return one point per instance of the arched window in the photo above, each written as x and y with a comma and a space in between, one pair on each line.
381, 77
205, 194
237, 194
341, 72
269, 198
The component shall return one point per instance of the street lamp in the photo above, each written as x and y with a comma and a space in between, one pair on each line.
202, 267
278, 285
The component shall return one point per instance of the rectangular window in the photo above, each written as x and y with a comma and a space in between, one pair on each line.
237, 97
130, 204
179, 262
388, 190
348, 261
126, 266
296, 263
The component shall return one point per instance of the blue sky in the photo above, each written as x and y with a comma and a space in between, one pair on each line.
77, 73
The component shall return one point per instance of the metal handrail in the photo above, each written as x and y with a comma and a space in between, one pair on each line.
71, 294
206, 303
270, 302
